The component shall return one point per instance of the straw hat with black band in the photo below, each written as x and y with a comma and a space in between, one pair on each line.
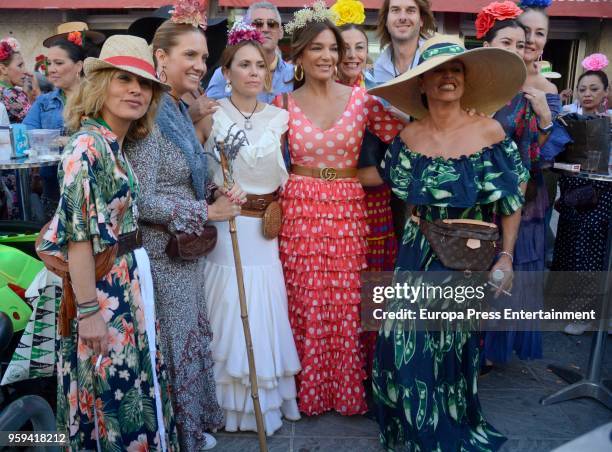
63, 30
493, 76
126, 53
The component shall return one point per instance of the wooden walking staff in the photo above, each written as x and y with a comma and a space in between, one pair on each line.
228, 150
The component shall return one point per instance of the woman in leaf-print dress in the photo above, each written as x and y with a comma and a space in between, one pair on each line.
110, 397
447, 165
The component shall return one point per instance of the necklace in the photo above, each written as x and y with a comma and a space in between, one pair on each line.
248, 125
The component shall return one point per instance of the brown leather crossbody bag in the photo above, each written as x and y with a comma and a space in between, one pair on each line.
461, 244
190, 247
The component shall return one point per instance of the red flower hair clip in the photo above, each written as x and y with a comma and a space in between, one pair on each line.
244, 32
494, 12
5, 50
75, 37
192, 12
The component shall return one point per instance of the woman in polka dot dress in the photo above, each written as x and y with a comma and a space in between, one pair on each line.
323, 236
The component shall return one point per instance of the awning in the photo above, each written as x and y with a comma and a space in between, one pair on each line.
83, 4
573, 8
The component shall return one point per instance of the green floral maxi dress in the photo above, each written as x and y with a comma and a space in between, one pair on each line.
425, 382
98, 203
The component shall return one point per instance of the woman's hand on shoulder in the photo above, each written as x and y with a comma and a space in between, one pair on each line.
537, 99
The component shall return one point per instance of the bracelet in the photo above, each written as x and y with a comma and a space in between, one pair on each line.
92, 302
506, 253
86, 316
546, 129
86, 311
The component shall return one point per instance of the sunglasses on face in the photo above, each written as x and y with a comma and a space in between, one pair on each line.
272, 24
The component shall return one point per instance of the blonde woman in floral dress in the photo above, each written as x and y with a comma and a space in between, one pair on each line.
106, 380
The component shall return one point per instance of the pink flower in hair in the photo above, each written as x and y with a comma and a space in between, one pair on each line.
192, 12
13, 43
244, 32
595, 62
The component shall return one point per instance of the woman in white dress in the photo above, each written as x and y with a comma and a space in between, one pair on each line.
260, 171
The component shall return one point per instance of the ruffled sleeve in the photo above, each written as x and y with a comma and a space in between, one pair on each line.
260, 164
491, 176
84, 212
380, 122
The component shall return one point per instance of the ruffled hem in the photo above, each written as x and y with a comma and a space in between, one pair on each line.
276, 357
276, 399
382, 242
323, 247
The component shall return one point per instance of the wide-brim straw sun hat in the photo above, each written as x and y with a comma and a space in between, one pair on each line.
63, 30
126, 53
493, 76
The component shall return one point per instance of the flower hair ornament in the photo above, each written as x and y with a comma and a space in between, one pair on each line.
41, 64
535, 3
75, 37
242, 31
8, 48
493, 12
318, 12
349, 12
595, 62
191, 12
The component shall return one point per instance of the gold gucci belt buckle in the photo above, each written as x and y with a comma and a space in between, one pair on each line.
328, 174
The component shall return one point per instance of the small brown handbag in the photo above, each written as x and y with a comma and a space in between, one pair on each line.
189, 247
272, 219
462, 244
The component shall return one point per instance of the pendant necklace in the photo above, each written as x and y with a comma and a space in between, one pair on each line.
248, 125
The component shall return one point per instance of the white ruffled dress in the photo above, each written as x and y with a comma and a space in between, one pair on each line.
259, 169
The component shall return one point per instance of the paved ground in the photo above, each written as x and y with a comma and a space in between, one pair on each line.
510, 399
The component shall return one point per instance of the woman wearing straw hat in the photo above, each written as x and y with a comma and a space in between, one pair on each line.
178, 198
447, 164
112, 394
68, 49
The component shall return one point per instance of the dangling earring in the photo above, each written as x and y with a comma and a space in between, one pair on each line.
298, 72
228, 87
336, 72
162, 76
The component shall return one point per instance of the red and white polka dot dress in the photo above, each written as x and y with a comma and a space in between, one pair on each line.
323, 247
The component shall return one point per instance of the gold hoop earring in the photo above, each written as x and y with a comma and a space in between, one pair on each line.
162, 76
336, 72
298, 77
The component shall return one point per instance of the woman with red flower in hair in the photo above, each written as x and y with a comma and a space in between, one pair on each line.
12, 78
527, 118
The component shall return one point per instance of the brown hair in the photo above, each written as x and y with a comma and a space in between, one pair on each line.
304, 36
90, 97
230, 51
167, 35
427, 30
347, 27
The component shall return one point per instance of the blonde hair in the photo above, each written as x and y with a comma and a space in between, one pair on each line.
230, 51
89, 100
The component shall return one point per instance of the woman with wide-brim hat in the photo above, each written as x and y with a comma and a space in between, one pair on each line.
448, 165
113, 388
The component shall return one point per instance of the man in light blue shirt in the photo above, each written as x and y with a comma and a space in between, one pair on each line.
402, 28
266, 18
